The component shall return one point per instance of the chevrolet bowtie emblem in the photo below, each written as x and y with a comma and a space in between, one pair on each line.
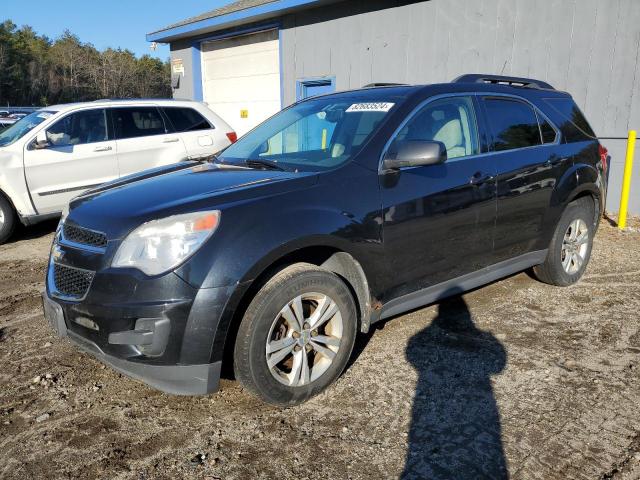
57, 253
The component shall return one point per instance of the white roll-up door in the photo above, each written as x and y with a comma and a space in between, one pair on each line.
241, 78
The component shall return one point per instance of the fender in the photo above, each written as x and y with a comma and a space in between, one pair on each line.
13, 184
576, 180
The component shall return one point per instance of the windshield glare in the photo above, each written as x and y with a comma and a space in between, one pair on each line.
23, 126
314, 135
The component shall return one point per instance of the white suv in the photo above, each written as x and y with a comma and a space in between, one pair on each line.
55, 153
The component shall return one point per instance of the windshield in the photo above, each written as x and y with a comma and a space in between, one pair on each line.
315, 135
23, 126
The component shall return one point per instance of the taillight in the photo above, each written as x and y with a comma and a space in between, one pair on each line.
232, 136
604, 156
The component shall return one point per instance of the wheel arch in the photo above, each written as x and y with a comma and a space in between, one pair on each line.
328, 257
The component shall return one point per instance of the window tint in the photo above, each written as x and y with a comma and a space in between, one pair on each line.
513, 123
450, 121
572, 123
547, 131
87, 126
186, 119
137, 122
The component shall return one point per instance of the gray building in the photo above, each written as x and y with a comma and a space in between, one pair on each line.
252, 57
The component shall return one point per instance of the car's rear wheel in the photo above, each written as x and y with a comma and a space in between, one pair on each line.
7, 219
570, 248
296, 335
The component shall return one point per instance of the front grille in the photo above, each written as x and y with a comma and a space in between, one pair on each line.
84, 236
71, 282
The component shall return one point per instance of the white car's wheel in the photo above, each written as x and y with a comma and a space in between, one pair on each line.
7, 219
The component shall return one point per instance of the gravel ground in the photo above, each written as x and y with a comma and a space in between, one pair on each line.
517, 377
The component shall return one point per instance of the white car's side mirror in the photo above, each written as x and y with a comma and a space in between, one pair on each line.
41, 140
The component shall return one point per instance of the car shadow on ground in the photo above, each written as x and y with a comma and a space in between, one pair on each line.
33, 231
455, 427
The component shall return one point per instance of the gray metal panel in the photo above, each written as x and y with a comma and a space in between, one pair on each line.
587, 47
182, 50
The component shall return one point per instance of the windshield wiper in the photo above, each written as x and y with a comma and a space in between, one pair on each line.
264, 163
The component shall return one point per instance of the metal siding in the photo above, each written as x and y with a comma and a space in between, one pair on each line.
587, 47
183, 51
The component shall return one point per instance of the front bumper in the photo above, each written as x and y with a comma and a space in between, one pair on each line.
175, 378
159, 330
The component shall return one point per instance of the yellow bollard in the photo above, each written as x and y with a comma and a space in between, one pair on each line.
626, 180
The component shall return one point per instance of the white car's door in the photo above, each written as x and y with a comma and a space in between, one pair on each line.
80, 155
200, 137
143, 139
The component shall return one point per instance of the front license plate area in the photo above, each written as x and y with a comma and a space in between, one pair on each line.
55, 316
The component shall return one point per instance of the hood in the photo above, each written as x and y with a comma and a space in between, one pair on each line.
117, 207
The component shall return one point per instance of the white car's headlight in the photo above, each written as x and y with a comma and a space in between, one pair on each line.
161, 245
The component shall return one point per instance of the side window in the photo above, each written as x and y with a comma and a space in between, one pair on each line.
87, 126
547, 131
514, 124
186, 119
572, 123
451, 121
131, 122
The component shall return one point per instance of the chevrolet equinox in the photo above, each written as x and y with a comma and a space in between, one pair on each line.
336, 213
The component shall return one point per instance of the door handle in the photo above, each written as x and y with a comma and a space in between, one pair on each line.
555, 161
479, 178
170, 140
102, 149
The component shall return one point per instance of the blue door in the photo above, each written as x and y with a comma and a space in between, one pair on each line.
316, 132
313, 87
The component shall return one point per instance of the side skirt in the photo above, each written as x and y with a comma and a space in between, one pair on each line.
33, 219
461, 284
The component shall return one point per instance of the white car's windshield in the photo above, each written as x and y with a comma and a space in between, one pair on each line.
23, 126
315, 135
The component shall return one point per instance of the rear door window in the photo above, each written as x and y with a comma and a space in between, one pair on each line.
513, 123
186, 119
132, 122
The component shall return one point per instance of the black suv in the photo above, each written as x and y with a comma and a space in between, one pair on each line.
336, 213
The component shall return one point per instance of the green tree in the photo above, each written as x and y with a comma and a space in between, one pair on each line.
35, 70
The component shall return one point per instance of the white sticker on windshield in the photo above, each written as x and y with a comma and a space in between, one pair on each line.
44, 115
370, 107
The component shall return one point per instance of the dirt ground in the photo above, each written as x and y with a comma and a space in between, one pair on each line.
520, 377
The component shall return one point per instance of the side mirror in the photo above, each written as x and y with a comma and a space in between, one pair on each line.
414, 153
41, 140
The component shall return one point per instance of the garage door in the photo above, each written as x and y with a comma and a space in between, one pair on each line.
241, 78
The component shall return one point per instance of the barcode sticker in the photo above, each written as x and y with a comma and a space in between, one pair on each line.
370, 107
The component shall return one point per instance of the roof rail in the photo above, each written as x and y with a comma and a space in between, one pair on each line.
124, 99
383, 84
503, 80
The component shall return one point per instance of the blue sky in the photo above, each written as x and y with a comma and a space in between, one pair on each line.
117, 23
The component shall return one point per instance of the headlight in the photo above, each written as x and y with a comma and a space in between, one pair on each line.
161, 245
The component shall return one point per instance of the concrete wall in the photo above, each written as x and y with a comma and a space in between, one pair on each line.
587, 47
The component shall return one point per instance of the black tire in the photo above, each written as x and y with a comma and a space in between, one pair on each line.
9, 215
250, 360
552, 270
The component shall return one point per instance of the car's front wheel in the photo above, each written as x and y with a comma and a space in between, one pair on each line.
296, 335
7, 219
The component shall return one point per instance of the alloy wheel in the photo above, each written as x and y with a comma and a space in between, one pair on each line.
574, 246
304, 339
